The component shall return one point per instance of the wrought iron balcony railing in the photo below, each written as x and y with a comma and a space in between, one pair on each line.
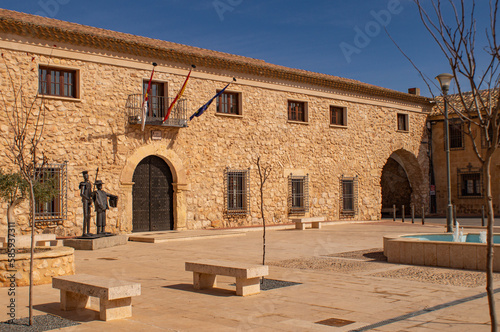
156, 110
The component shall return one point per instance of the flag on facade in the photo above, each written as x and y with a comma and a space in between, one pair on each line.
204, 107
145, 101
178, 95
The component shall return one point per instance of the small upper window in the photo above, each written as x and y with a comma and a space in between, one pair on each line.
57, 82
402, 122
229, 103
297, 111
456, 134
338, 116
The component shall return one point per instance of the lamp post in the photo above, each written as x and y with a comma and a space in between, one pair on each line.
444, 82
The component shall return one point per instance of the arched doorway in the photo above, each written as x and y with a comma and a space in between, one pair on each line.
152, 196
396, 188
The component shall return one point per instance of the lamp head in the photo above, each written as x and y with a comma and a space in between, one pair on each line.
444, 81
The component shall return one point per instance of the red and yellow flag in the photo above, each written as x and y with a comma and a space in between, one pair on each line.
178, 95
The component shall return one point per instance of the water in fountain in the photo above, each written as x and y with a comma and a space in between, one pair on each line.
458, 234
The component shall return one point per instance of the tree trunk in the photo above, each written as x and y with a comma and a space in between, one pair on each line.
11, 218
32, 253
489, 241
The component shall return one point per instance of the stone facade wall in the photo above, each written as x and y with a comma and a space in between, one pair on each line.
460, 158
92, 131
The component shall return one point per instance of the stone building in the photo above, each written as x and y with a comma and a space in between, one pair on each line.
337, 147
467, 183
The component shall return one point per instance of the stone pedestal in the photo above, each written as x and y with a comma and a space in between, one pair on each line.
96, 243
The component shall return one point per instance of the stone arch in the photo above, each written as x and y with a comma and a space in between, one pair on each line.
179, 184
407, 177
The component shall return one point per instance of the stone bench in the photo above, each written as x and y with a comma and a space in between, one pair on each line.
115, 296
247, 275
300, 223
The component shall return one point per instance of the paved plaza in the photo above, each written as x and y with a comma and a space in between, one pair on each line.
341, 284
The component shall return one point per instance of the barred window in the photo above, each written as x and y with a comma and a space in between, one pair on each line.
237, 191
469, 182
298, 200
55, 211
349, 195
57, 82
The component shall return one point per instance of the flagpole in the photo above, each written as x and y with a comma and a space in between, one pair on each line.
204, 107
146, 96
179, 94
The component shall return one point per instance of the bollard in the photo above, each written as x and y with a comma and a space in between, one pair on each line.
482, 215
402, 213
394, 212
412, 214
423, 215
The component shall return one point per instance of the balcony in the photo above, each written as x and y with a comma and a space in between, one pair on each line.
157, 107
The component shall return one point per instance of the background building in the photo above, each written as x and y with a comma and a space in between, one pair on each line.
338, 148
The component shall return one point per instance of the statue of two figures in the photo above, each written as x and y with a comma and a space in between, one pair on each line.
100, 199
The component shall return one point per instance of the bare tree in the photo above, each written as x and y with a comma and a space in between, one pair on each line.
24, 111
452, 25
264, 172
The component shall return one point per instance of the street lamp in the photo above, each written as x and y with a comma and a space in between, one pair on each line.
444, 82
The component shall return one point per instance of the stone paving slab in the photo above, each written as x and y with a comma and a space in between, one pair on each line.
169, 302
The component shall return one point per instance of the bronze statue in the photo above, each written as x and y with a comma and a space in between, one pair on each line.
86, 194
100, 198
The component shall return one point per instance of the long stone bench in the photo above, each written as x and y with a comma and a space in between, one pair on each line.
115, 296
247, 275
300, 223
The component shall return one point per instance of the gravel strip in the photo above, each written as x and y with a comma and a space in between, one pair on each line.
327, 264
40, 323
441, 276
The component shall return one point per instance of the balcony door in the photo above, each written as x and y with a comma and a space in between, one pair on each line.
156, 99
152, 196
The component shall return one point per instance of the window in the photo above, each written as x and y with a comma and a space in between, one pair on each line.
349, 196
338, 116
298, 201
229, 103
54, 211
297, 111
469, 182
57, 82
403, 122
157, 103
456, 134
237, 190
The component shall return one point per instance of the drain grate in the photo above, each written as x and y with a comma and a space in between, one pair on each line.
108, 258
336, 322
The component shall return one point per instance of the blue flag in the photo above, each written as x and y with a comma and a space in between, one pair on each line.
204, 107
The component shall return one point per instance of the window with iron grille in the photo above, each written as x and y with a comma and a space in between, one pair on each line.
297, 111
349, 196
298, 198
156, 99
338, 116
470, 182
57, 82
55, 211
237, 191
229, 103
456, 133
402, 122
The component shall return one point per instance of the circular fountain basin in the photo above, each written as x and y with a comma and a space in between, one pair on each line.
48, 262
440, 250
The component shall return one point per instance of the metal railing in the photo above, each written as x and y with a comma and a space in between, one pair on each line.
156, 110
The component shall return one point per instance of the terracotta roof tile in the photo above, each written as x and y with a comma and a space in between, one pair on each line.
73, 33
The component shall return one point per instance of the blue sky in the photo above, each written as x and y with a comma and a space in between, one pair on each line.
318, 35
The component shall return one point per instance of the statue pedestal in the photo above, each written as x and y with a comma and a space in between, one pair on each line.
96, 242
